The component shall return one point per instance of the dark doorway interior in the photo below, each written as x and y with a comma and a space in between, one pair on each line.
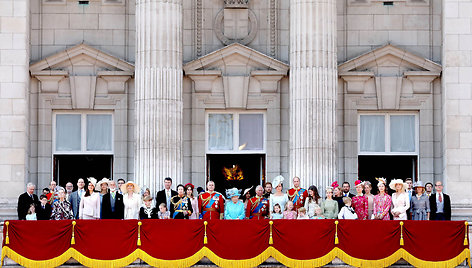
72, 167
389, 167
235, 170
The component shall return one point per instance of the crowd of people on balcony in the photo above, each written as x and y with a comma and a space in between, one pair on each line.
107, 199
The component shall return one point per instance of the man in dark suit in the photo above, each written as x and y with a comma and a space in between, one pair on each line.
165, 195
76, 196
25, 200
44, 210
440, 204
347, 189
112, 203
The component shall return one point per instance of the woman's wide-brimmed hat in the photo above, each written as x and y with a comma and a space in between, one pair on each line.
394, 182
233, 192
278, 180
137, 189
102, 181
92, 180
418, 184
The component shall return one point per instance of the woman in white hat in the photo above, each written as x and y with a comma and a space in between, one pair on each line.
419, 203
400, 200
89, 207
278, 197
131, 199
234, 209
102, 186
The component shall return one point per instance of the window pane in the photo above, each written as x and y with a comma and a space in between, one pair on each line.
220, 132
99, 132
68, 132
372, 137
251, 132
402, 133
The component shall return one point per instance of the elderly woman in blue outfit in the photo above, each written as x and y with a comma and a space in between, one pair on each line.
234, 209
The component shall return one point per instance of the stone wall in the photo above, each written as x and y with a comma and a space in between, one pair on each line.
457, 100
414, 25
14, 93
108, 25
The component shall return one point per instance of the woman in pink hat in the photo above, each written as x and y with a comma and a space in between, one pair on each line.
359, 202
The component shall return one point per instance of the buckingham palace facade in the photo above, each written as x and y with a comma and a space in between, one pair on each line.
236, 91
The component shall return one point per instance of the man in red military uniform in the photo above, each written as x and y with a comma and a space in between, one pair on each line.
258, 206
211, 203
297, 195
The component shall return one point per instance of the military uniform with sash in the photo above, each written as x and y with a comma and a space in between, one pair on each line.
257, 208
298, 197
211, 205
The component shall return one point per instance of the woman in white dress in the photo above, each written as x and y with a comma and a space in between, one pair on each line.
89, 208
193, 200
278, 197
400, 200
131, 199
312, 202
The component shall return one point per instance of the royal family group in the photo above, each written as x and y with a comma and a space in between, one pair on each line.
109, 199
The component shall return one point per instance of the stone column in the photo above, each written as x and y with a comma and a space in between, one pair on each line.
159, 103
313, 81
14, 83
457, 103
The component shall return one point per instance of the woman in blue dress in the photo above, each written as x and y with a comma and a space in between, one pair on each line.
234, 209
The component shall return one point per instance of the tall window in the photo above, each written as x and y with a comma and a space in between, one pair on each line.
388, 133
235, 132
83, 133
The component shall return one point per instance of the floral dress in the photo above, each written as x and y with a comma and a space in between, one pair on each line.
382, 205
62, 210
361, 206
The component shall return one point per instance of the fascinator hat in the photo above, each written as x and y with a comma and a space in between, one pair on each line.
278, 180
335, 184
381, 180
92, 180
359, 182
233, 192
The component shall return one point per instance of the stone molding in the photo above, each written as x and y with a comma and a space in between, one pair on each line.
52, 70
236, 3
392, 75
236, 77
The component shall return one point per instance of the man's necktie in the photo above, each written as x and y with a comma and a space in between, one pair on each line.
440, 198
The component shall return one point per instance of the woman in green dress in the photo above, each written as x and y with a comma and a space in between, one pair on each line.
329, 207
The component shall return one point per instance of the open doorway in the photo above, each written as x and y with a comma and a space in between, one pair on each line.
235, 170
69, 168
389, 167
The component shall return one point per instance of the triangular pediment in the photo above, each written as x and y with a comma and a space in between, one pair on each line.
81, 58
236, 58
389, 60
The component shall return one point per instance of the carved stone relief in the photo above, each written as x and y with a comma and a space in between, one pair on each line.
236, 23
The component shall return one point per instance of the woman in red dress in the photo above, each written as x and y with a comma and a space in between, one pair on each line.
360, 202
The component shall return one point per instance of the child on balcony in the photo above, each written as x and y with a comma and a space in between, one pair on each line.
277, 213
163, 212
347, 212
289, 213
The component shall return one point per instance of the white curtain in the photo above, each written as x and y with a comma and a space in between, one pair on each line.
220, 132
402, 133
372, 133
68, 132
99, 132
251, 131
